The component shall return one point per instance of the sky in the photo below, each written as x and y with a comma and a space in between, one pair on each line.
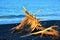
50, 9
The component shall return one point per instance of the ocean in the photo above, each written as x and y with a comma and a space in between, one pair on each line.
11, 19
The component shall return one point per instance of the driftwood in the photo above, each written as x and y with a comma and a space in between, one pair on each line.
30, 20
45, 31
35, 24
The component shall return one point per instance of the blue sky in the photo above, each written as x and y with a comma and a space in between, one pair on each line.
14, 7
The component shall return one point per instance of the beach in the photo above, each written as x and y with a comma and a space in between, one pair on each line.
5, 33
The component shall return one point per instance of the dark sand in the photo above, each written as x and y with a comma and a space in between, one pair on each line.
5, 33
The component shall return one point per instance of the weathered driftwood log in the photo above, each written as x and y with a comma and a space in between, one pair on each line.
45, 31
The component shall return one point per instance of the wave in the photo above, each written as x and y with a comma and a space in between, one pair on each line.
18, 18
12, 16
55, 14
